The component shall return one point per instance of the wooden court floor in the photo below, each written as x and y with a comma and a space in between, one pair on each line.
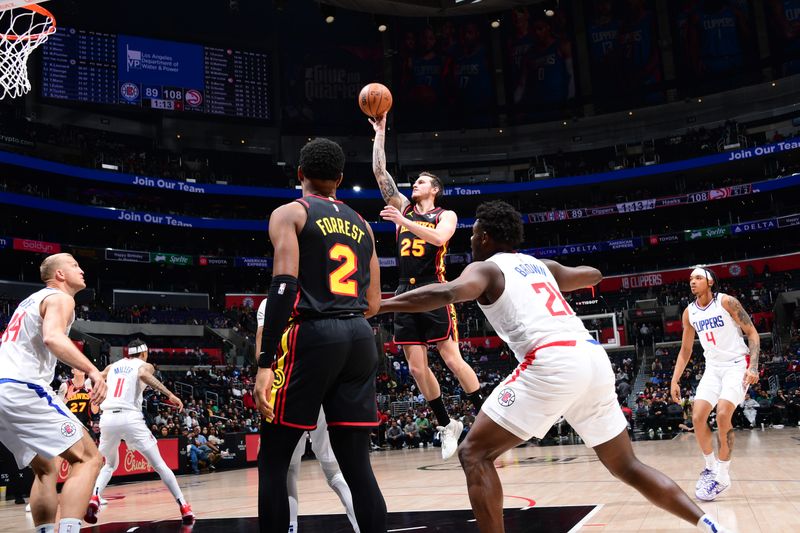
764, 496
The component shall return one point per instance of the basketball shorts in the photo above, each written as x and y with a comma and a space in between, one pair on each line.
723, 382
35, 421
127, 425
423, 328
569, 378
320, 443
328, 362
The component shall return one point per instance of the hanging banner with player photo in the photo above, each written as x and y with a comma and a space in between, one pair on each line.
715, 45
540, 65
624, 56
783, 29
325, 66
443, 73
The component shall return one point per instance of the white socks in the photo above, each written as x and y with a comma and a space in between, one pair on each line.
46, 528
723, 472
711, 461
69, 525
710, 525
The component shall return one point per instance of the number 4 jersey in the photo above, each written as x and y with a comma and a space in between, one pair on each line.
719, 335
335, 252
531, 311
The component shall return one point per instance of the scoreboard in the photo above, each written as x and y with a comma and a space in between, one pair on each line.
123, 70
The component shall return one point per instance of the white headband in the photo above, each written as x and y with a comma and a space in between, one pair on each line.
699, 271
137, 349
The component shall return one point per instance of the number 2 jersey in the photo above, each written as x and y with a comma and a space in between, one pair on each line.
23, 355
531, 311
335, 252
417, 258
719, 335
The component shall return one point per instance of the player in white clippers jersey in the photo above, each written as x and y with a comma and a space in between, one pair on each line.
35, 425
731, 367
122, 418
321, 445
562, 371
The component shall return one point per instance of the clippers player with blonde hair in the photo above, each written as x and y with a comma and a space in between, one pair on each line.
562, 370
731, 367
122, 418
423, 233
35, 425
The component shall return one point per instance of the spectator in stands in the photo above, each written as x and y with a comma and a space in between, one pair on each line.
794, 407
411, 433
198, 450
750, 407
394, 435
780, 405
424, 428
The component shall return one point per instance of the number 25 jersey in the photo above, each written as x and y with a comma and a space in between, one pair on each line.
531, 311
417, 258
335, 252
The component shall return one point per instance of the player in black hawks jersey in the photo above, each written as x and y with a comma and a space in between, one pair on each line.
423, 232
317, 348
76, 393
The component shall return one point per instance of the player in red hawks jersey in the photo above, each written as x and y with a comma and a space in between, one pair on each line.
423, 233
562, 370
731, 367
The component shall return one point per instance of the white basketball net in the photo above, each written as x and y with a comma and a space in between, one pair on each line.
22, 30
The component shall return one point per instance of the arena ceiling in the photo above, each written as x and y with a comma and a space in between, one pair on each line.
432, 8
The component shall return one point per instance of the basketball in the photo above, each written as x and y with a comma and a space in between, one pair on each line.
375, 99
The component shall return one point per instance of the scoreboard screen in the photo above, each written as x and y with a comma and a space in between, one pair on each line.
123, 70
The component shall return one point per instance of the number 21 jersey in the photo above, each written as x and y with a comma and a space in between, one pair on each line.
531, 311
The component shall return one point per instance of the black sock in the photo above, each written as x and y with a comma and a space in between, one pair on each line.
277, 445
351, 447
439, 410
476, 398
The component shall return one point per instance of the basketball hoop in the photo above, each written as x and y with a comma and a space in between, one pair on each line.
24, 26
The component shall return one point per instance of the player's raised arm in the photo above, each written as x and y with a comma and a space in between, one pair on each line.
391, 195
742, 319
685, 353
374, 290
147, 375
470, 285
573, 278
56, 313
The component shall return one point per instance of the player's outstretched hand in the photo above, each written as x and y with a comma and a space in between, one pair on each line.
98, 386
675, 391
750, 378
174, 400
261, 391
378, 123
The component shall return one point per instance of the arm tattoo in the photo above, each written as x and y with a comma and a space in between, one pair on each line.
155, 384
385, 181
753, 343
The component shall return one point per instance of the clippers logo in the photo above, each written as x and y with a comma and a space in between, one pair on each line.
134, 59
280, 379
506, 397
68, 429
129, 91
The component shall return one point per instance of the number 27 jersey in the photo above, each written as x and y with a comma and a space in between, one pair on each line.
531, 311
